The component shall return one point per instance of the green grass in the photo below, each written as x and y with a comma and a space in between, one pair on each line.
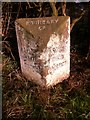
69, 100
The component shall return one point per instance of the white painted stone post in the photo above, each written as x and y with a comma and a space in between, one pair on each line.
44, 49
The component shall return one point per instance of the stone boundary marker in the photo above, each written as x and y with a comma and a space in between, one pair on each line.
44, 49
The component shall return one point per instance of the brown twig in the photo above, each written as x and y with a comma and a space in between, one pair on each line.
7, 46
59, 8
18, 10
28, 3
76, 20
55, 12
5, 62
1, 27
63, 4
88, 54
4, 24
9, 18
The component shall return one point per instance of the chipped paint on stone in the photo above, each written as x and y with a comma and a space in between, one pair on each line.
44, 49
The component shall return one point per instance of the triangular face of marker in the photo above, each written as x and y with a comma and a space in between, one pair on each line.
43, 27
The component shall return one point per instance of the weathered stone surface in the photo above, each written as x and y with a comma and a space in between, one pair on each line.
44, 49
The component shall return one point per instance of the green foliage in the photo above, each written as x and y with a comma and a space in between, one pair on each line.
63, 104
78, 108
